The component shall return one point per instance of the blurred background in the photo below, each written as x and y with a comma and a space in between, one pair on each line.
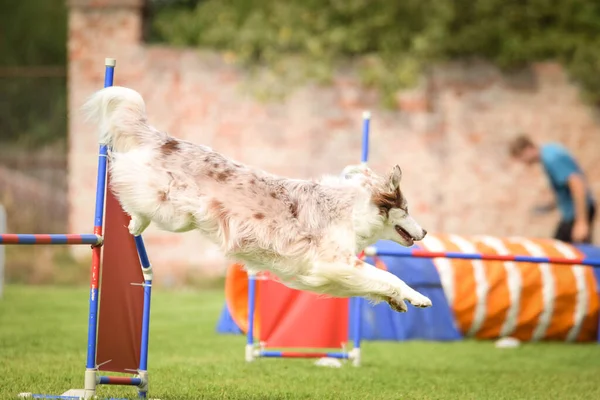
282, 85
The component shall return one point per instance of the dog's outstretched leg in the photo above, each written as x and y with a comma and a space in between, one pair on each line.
137, 225
400, 290
362, 279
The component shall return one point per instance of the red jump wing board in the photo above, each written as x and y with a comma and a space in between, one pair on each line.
294, 318
121, 303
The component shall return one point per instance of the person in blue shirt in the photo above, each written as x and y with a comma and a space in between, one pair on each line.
573, 196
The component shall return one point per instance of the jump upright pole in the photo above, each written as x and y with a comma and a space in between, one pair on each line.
251, 312
357, 302
90, 365
365, 139
124, 251
148, 275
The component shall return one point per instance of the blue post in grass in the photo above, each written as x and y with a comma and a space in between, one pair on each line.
356, 331
251, 310
147, 271
356, 302
90, 374
96, 254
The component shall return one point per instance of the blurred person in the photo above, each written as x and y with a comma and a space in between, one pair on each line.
573, 196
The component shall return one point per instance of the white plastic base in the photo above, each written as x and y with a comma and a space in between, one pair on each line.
89, 383
78, 393
355, 357
75, 392
249, 353
71, 393
89, 392
144, 386
328, 362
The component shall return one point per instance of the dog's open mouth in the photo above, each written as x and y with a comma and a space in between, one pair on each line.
405, 235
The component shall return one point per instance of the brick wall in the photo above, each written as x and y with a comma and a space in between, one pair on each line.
449, 134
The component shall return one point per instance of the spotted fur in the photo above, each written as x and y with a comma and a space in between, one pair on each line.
306, 232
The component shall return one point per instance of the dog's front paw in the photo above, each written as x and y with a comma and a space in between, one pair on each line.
397, 305
136, 226
418, 300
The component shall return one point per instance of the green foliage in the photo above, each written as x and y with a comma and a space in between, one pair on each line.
32, 110
391, 43
513, 33
33, 33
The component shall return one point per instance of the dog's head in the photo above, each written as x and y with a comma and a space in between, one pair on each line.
387, 197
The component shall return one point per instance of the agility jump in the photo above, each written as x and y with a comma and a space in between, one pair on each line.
120, 289
335, 340
335, 319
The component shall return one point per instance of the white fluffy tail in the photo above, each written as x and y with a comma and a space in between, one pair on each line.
121, 117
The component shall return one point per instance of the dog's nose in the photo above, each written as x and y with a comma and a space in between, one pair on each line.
424, 233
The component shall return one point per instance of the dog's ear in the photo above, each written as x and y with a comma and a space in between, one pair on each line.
394, 178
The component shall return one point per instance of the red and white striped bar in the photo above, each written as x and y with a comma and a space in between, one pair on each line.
23, 238
420, 253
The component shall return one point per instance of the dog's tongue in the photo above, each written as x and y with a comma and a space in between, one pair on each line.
408, 237
404, 234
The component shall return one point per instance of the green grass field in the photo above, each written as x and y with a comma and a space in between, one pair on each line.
43, 341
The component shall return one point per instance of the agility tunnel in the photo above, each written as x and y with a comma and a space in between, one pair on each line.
481, 287
120, 290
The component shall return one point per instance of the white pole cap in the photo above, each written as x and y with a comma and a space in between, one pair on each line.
366, 114
371, 251
110, 62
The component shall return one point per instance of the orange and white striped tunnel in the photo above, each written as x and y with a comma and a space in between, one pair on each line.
528, 301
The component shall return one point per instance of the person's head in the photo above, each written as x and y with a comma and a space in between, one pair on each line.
523, 149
